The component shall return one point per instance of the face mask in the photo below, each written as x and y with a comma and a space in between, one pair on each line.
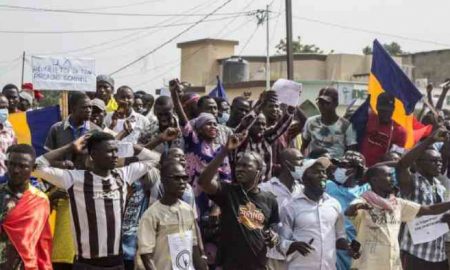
3, 115
224, 118
340, 175
297, 173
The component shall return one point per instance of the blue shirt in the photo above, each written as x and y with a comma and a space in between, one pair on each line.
345, 196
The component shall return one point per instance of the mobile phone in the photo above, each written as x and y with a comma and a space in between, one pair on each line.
355, 245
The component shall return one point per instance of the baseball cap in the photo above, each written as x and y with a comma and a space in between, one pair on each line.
308, 163
26, 96
329, 94
351, 158
385, 100
105, 78
99, 104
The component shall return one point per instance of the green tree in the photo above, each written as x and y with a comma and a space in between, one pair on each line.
392, 48
51, 98
297, 47
367, 50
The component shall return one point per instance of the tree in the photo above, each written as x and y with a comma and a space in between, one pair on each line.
297, 47
393, 49
367, 50
51, 98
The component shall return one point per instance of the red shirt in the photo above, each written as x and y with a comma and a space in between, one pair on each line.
379, 138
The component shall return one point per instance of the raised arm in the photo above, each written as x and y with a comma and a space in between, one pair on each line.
169, 134
430, 95
281, 127
60, 178
434, 209
175, 90
440, 101
207, 179
58, 154
403, 173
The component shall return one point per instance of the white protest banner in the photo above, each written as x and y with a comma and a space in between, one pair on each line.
427, 228
288, 91
63, 73
180, 247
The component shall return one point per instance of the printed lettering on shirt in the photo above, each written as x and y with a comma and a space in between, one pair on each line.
379, 138
113, 195
381, 217
251, 217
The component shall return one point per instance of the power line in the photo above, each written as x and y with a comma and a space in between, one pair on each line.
72, 11
195, 52
275, 26
187, 57
357, 29
178, 61
109, 41
249, 39
172, 39
119, 6
114, 30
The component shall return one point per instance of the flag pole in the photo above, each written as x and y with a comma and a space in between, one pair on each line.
64, 103
23, 69
267, 50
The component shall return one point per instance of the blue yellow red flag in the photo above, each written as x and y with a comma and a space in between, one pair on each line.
32, 127
387, 76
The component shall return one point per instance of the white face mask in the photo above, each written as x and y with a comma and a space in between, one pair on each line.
297, 173
224, 118
340, 175
3, 115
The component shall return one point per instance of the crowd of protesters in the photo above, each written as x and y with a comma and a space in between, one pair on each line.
194, 182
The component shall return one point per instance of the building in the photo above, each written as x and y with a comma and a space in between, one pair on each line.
202, 60
430, 67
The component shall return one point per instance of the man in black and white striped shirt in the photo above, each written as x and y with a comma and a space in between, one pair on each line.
97, 196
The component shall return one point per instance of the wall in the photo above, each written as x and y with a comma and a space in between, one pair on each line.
433, 65
199, 60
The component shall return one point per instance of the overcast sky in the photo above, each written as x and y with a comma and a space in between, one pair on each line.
343, 26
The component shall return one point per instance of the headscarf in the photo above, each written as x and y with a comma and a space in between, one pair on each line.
203, 119
376, 200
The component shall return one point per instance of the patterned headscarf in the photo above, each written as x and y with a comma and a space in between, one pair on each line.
354, 159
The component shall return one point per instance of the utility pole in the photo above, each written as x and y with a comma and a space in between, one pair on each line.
267, 50
23, 67
289, 51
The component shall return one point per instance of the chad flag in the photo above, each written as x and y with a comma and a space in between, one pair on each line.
387, 76
32, 127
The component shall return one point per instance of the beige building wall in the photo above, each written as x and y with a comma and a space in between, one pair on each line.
344, 66
199, 59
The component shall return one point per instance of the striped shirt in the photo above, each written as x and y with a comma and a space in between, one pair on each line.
264, 146
97, 203
425, 193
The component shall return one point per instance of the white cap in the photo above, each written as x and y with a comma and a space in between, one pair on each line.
308, 163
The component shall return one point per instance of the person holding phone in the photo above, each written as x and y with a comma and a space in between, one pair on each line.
313, 222
346, 186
